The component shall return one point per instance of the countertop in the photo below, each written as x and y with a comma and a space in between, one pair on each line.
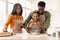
23, 36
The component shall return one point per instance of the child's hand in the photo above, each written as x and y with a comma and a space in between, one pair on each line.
30, 25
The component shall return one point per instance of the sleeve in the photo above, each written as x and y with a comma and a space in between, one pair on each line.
28, 19
7, 21
47, 21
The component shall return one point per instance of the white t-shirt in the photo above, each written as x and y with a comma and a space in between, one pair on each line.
42, 18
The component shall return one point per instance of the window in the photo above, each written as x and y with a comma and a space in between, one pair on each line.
24, 15
2, 14
10, 8
28, 4
22, 2
13, 1
27, 12
2, 0
26, 8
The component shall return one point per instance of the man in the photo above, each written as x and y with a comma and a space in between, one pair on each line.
43, 15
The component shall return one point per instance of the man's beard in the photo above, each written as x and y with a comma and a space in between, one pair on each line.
41, 13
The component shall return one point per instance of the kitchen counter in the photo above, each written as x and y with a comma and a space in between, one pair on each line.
24, 36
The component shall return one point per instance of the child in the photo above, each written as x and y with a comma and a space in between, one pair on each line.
35, 26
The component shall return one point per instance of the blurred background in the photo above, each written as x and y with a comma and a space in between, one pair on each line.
53, 6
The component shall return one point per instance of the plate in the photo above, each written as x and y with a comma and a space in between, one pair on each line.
5, 34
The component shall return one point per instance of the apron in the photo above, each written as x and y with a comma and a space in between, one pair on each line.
17, 29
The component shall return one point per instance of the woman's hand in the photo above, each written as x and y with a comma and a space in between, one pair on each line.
4, 30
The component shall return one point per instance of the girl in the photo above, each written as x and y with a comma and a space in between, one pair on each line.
35, 26
15, 19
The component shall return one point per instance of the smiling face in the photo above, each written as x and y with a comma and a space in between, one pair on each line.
18, 10
35, 16
41, 9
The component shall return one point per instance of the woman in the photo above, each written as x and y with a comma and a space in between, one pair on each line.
15, 19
